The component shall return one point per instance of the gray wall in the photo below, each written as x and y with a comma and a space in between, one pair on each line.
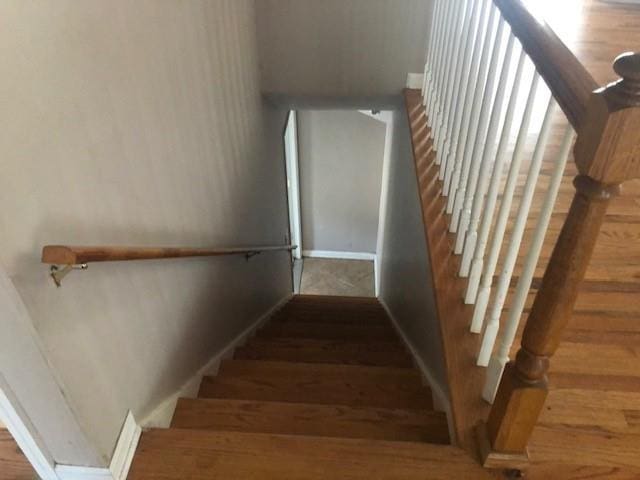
341, 47
135, 123
406, 284
340, 156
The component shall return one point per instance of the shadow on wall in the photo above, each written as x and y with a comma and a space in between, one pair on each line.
341, 156
406, 284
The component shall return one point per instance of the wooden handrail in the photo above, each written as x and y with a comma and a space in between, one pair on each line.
569, 81
607, 154
70, 255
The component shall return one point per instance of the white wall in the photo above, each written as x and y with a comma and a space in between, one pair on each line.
340, 156
136, 123
341, 47
406, 284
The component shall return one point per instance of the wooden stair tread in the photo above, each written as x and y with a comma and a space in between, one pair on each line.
327, 331
353, 385
390, 354
312, 419
201, 454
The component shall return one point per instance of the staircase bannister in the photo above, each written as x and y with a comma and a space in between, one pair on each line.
77, 257
607, 153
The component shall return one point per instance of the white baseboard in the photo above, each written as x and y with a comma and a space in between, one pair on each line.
72, 472
414, 81
161, 415
125, 448
339, 255
120, 462
441, 400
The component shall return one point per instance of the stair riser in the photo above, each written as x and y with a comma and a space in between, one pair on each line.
327, 332
331, 356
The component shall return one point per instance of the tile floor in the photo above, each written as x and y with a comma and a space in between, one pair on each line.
321, 276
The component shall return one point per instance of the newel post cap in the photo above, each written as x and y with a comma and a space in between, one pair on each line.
608, 145
627, 66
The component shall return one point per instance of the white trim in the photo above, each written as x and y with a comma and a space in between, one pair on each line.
38, 456
384, 194
415, 80
339, 255
160, 417
385, 117
440, 398
125, 448
72, 472
120, 461
376, 274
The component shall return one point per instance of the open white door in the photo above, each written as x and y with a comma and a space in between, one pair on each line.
293, 195
293, 188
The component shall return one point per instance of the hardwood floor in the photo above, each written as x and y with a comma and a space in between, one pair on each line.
13, 463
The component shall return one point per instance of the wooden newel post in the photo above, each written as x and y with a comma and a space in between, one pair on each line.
607, 153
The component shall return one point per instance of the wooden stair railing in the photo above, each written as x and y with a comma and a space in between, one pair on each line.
76, 257
607, 153
461, 153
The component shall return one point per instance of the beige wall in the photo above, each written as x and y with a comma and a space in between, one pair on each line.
406, 284
340, 156
136, 123
341, 47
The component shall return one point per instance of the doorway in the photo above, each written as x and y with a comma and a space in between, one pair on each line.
341, 155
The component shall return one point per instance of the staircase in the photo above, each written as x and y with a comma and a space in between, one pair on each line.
325, 390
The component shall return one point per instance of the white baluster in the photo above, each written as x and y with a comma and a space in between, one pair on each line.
462, 78
424, 81
478, 131
474, 117
482, 237
440, 127
484, 146
500, 359
458, 18
482, 301
430, 49
462, 29
439, 48
442, 69
481, 170
436, 31
493, 324
464, 99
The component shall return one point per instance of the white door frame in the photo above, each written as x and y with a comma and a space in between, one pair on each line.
385, 117
293, 182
